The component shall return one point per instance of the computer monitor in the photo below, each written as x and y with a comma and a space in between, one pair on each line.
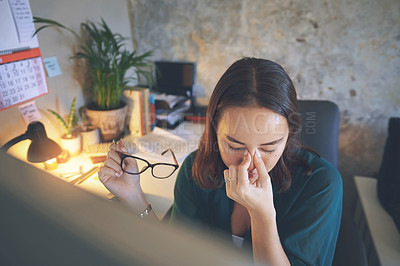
47, 221
176, 78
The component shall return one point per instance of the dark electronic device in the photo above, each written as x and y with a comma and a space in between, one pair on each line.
176, 78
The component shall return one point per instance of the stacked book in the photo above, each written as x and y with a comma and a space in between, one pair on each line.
170, 109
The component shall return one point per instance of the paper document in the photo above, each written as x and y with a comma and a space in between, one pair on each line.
168, 101
173, 116
8, 31
52, 67
151, 146
23, 18
29, 112
16, 26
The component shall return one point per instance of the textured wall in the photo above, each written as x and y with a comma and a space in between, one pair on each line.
347, 51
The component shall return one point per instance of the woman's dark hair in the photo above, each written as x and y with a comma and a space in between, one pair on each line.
249, 82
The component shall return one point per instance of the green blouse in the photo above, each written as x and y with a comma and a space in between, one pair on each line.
308, 214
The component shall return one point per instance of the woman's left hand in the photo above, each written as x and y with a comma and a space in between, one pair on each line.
256, 196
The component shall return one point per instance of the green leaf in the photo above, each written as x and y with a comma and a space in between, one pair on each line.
107, 60
51, 23
61, 122
71, 115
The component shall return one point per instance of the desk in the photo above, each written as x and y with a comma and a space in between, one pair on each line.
159, 192
381, 237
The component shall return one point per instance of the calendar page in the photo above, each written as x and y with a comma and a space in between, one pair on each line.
22, 77
22, 74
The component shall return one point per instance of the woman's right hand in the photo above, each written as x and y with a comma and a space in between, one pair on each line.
125, 186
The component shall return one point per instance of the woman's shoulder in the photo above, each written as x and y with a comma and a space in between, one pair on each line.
323, 173
185, 170
189, 160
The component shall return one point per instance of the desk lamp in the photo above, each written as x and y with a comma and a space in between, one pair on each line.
41, 149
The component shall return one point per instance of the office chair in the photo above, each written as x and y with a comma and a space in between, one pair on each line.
320, 131
320, 128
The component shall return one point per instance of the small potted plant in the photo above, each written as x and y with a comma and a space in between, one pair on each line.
108, 66
89, 134
70, 141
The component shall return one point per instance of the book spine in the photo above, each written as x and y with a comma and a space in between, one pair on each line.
146, 114
152, 111
141, 121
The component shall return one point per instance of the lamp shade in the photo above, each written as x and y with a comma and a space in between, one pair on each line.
41, 149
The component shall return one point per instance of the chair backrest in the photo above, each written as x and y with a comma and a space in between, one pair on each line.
320, 131
320, 127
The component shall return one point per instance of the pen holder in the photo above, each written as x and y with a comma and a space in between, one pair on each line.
90, 137
73, 145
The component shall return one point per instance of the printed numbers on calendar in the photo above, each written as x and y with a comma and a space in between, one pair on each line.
21, 81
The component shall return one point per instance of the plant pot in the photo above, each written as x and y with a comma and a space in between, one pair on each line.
72, 145
110, 122
90, 137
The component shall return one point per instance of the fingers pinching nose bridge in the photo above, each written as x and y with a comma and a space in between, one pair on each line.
258, 153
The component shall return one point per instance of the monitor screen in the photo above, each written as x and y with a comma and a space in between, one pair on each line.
175, 78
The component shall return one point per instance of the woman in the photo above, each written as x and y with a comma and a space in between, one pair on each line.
250, 177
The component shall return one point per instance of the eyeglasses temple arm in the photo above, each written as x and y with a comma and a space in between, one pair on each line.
173, 155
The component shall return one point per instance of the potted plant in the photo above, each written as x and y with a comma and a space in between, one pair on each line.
108, 65
89, 134
70, 141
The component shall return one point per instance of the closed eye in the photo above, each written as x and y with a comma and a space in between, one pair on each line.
243, 148
266, 151
236, 149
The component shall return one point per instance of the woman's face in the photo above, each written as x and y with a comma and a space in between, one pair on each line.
251, 128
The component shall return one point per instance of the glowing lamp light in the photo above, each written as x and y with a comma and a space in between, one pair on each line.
51, 164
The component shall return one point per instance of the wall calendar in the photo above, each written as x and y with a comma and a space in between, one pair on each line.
23, 79
22, 73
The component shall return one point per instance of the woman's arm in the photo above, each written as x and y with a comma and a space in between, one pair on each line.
125, 186
257, 198
267, 246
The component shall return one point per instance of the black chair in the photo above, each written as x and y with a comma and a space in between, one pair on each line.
320, 131
320, 128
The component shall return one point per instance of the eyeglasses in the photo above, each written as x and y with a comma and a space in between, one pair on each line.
158, 170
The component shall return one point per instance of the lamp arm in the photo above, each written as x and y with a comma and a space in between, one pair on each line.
14, 141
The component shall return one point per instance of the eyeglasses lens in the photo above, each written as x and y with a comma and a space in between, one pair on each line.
163, 171
128, 165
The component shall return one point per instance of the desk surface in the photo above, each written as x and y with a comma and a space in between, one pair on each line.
383, 230
160, 192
